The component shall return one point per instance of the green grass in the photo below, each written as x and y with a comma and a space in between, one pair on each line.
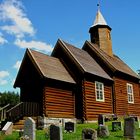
40, 134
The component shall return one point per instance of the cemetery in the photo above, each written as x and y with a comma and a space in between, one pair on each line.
121, 129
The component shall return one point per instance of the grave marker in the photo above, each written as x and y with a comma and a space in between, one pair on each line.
29, 128
89, 134
101, 120
116, 126
55, 132
69, 127
8, 128
129, 128
103, 131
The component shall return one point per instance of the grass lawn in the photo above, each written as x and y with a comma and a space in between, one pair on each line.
40, 134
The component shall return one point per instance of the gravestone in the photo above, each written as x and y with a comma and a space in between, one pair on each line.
101, 120
129, 128
135, 118
69, 127
8, 128
89, 134
55, 132
138, 122
114, 117
116, 126
103, 131
29, 128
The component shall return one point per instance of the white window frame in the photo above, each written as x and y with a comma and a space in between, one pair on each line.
130, 95
99, 91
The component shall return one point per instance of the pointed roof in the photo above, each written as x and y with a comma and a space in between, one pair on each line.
115, 63
47, 66
99, 20
84, 61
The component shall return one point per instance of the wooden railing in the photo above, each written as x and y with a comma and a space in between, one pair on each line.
3, 112
23, 109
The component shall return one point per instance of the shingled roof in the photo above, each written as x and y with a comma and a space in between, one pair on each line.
51, 67
115, 63
85, 61
47, 66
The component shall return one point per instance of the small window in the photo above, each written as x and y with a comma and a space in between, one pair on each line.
130, 93
99, 91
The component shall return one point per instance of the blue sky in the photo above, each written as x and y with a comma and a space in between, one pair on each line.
37, 24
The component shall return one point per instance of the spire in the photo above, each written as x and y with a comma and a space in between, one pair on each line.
99, 20
100, 33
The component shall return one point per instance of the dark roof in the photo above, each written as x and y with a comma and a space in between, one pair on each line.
114, 62
85, 61
51, 67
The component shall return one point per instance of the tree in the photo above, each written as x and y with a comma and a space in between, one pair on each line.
11, 98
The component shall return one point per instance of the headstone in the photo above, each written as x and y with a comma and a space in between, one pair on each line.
69, 127
138, 122
135, 118
101, 120
114, 117
116, 126
8, 128
129, 128
29, 128
55, 132
89, 134
103, 131
40, 122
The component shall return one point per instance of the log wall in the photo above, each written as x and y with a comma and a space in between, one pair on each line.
59, 103
121, 98
91, 107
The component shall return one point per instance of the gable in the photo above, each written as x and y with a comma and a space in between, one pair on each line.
114, 63
46, 66
83, 60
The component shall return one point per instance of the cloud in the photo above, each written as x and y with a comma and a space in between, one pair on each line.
37, 45
3, 74
3, 82
18, 24
2, 40
17, 65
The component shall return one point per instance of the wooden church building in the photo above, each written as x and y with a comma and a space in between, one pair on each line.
80, 83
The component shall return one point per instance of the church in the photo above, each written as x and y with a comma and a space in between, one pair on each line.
80, 83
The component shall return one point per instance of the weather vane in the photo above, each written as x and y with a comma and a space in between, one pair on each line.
98, 4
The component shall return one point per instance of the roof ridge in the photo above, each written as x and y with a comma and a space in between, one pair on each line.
63, 42
106, 58
33, 58
102, 55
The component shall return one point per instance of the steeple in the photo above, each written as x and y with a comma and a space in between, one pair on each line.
100, 33
99, 20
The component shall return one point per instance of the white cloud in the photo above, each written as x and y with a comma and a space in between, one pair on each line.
37, 45
3, 82
17, 65
2, 40
12, 12
4, 74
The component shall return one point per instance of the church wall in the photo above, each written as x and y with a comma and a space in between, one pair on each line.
91, 107
121, 98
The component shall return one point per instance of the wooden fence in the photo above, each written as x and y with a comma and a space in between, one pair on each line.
3, 112
23, 109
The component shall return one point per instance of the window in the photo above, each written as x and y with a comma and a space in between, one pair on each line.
99, 91
130, 93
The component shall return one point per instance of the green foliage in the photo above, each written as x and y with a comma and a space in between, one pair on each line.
41, 134
11, 98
